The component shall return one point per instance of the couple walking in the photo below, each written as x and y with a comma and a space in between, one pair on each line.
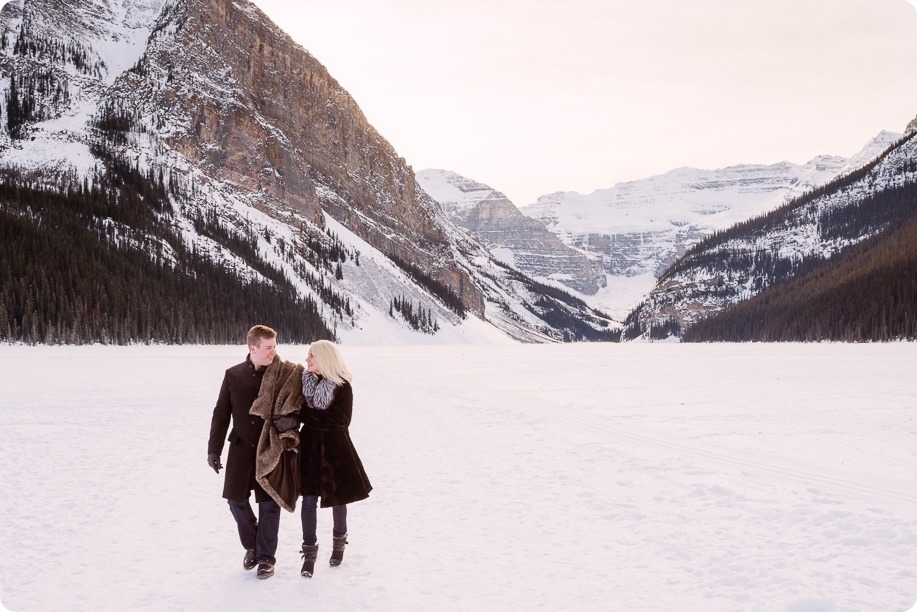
267, 400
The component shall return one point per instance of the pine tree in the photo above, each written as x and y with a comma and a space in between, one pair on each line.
13, 109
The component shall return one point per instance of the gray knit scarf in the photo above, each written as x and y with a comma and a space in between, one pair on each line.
318, 391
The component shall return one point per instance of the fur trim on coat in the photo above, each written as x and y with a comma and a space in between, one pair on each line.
280, 395
318, 391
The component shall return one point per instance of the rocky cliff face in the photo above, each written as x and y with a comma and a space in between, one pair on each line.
739, 262
641, 227
519, 241
250, 157
221, 86
251, 107
911, 127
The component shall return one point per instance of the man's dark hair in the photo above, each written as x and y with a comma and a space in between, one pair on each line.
258, 333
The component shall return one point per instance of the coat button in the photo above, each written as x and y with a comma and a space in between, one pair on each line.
253, 422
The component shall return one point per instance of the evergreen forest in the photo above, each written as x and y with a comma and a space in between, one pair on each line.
103, 261
866, 293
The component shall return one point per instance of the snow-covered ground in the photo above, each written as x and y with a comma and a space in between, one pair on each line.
581, 477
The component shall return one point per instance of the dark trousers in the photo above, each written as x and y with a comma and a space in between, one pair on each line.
261, 534
310, 520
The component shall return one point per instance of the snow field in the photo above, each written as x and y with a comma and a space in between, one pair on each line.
597, 477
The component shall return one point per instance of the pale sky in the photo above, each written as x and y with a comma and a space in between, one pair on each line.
547, 95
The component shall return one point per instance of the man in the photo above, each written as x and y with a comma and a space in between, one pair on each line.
240, 388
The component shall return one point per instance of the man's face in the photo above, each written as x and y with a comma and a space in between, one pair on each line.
262, 354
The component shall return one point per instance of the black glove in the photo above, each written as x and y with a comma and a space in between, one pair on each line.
284, 423
213, 460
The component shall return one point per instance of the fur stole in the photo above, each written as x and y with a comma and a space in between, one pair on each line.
280, 394
318, 392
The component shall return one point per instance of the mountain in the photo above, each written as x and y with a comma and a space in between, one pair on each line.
194, 148
640, 227
866, 293
803, 257
519, 241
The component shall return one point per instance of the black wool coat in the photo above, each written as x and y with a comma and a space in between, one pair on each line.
329, 464
240, 388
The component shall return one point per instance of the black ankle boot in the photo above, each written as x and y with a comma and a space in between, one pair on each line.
337, 550
249, 561
309, 553
265, 569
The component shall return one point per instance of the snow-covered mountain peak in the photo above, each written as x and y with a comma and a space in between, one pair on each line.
262, 165
513, 238
457, 194
882, 141
862, 201
640, 227
686, 195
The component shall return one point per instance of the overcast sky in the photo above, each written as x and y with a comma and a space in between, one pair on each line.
576, 95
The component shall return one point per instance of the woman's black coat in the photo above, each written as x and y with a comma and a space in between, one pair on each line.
329, 463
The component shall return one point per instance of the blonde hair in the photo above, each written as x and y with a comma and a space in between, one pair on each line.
329, 362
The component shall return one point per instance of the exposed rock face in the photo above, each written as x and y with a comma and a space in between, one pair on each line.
10, 14
235, 149
520, 241
640, 228
242, 100
631, 254
745, 259
911, 127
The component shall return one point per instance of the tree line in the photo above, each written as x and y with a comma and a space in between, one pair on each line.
567, 317
419, 318
782, 216
101, 261
452, 301
733, 269
54, 51
31, 97
866, 293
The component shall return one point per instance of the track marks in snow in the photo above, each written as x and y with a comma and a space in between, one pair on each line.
505, 478
695, 451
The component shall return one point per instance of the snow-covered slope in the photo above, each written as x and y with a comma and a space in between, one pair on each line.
79, 48
740, 261
640, 227
245, 129
676, 478
515, 239
688, 196
457, 194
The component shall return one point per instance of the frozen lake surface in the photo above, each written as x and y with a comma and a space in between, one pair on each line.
513, 477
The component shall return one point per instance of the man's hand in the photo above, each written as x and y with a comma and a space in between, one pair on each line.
213, 460
284, 423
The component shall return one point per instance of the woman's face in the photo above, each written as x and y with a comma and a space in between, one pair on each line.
310, 365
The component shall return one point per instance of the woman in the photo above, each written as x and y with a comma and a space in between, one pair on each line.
330, 466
